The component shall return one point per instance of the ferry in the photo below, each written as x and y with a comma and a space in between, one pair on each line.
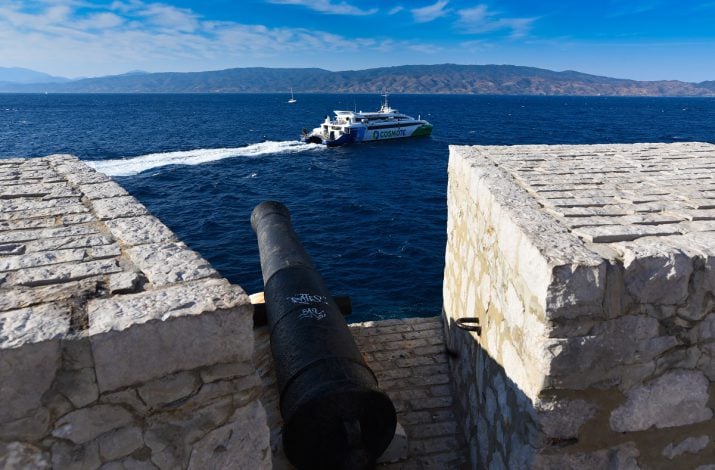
350, 127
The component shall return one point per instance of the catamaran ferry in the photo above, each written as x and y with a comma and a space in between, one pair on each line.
350, 127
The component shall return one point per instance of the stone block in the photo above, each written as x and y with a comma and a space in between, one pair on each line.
77, 457
608, 352
120, 443
65, 272
168, 263
102, 190
142, 230
79, 386
117, 207
182, 327
691, 445
20, 455
562, 418
244, 438
86, 424
30, 356
676, 398
168, 389
655, 274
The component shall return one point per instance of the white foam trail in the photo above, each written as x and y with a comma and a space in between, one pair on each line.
135, 165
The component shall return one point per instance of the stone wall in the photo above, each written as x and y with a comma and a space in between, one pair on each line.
591, 270
119, 346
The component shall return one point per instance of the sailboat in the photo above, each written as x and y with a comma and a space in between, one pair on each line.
292, 100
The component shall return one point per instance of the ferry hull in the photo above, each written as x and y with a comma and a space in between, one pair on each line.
367, 135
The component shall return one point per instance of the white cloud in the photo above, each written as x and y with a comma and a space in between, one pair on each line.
395, 10
326, 6
76, 40
170, 17
479, 20
430, 12
99, 21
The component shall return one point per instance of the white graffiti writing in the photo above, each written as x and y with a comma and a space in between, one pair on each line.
307, 299
313, 313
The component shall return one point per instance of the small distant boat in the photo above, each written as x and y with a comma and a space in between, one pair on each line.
292, 100
350, 127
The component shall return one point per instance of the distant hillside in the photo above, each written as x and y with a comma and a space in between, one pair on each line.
445, 78
17, 75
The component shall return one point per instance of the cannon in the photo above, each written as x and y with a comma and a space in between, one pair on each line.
334, 414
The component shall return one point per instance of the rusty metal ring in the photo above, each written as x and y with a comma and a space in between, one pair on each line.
469, 324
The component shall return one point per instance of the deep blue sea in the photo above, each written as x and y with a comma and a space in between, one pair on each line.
372, 216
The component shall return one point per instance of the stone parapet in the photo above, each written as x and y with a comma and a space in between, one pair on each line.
591, 271
119, 346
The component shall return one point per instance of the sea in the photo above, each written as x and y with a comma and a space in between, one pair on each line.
372, 216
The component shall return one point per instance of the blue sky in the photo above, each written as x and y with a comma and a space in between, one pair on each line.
639, 39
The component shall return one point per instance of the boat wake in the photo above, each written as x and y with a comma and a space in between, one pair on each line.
135, 165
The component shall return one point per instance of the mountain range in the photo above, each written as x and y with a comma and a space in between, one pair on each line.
443, 78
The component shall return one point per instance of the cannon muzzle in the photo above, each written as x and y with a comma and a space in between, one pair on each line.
334, 414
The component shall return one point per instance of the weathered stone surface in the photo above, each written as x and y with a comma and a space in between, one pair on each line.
618, 233
22, 456
168, 389
85, 424
36, 190
29, 207
605, 354
29, 356
127, 398
65, 272
59, 243
226, 371
170, 434
169, 263
117, 207
129, 464
655, 274
624, 456
32, 260
676, 398
102, 190
33, 325
123, 283
120, 443
79, 457
244, 438
45, 233
180, 328
562, 419
142, 230
79, 386
76, 354
45, 210
80, 174
23, 296
691, 445
31, 428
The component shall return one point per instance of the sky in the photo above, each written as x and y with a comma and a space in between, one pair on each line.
637, 39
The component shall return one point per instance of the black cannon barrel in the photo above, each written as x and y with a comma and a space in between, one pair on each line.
334, 414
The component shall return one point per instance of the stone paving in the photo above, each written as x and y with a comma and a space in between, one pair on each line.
410, 361
618, 193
